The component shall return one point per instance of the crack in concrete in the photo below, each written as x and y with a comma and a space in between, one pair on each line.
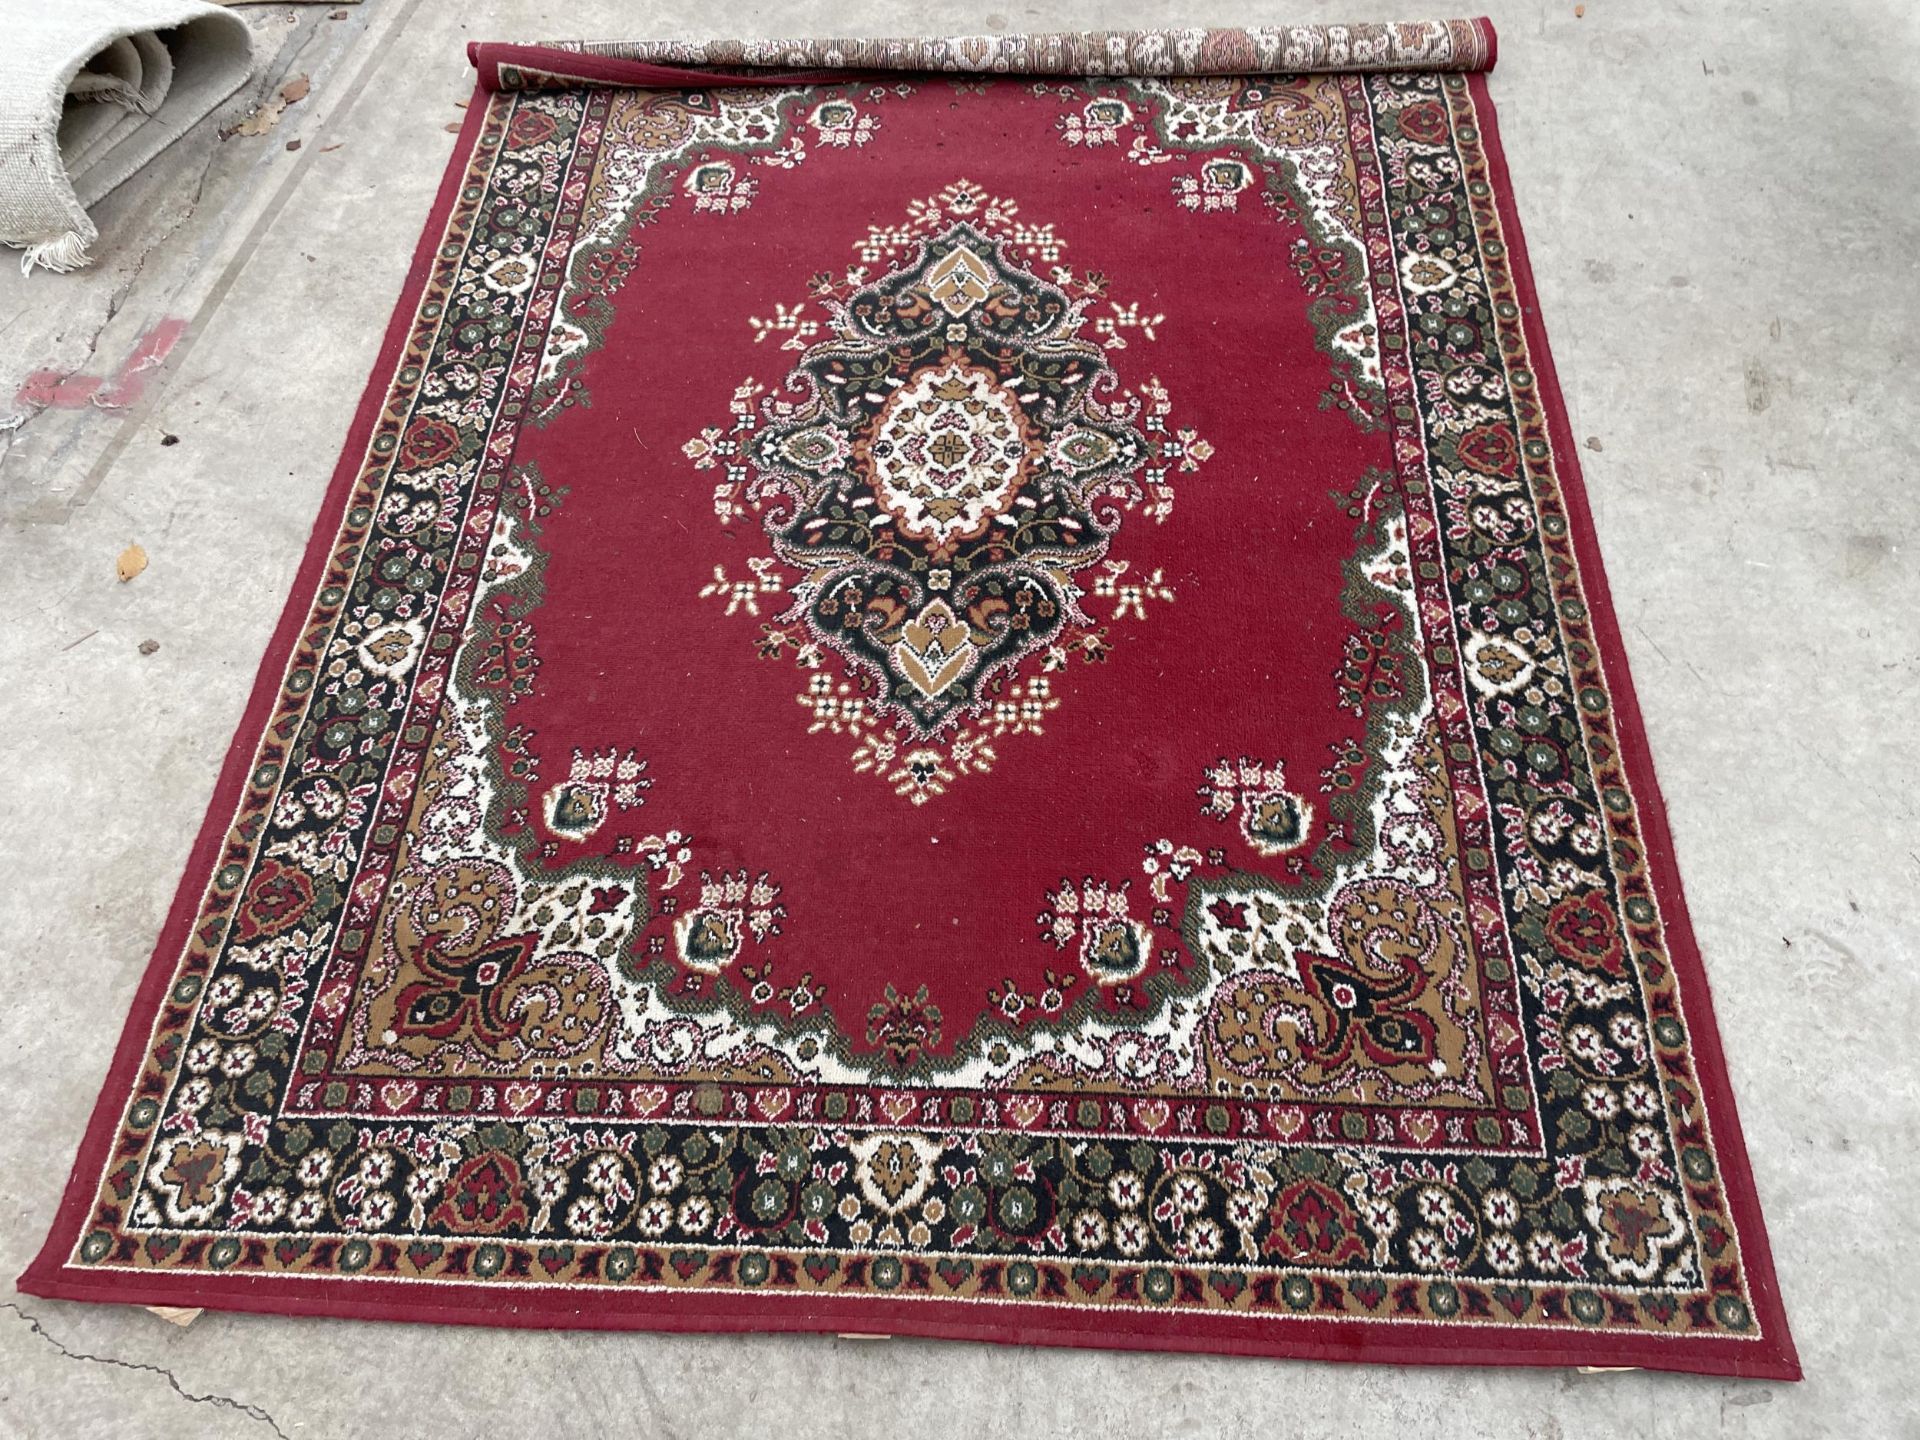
226, 1402
656, 1407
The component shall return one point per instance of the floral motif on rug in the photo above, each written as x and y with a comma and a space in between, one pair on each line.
954, 706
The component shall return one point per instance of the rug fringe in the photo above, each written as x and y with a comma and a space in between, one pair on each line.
63, 253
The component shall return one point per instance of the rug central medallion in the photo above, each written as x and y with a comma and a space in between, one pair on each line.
933, 476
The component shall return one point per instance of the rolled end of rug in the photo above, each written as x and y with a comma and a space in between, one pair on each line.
90, 91
1441, 45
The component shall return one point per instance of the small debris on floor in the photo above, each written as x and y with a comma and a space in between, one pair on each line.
453, 127
131, 562
168, 438
176, 1314
259, 122
1579, 11
293, 144
329, 149
147, 647
1593, 443
267, 114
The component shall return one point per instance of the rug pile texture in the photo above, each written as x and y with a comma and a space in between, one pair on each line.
960, 688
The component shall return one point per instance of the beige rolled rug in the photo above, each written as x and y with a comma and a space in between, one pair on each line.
90, 91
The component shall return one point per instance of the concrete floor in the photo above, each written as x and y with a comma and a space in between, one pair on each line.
1720, 202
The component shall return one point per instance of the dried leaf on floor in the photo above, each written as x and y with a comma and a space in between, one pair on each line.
267, 114
131, 562
264, 118
176, 1314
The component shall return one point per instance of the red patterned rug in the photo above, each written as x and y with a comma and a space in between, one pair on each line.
973, 705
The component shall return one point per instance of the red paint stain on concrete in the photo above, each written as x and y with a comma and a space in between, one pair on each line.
49, 389
53, 390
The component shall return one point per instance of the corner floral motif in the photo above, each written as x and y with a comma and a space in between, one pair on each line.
1112, 946
1272, 819
595, 786
1281, 139
734, 910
